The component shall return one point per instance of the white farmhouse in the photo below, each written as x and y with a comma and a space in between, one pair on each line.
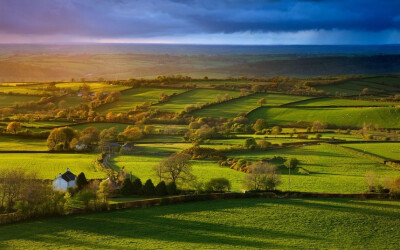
64, 181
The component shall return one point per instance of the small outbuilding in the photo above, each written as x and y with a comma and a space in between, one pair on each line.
64, 181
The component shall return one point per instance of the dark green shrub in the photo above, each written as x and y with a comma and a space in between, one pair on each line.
81, 181
171, 188
148, 188
250, 143
126, 187
161, 189
137, 186
218, 185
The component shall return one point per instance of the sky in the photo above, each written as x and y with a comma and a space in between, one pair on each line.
268, 22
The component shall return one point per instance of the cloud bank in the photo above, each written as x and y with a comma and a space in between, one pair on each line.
201, 21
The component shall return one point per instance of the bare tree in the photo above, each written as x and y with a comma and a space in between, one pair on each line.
262, 176
176, 168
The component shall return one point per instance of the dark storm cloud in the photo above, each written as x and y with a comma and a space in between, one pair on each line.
151, 18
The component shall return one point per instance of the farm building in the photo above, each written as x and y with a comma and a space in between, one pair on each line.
111, 147
64, 181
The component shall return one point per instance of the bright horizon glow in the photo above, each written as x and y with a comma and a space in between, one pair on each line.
309, 37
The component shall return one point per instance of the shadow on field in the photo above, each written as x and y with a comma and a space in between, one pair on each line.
154, 224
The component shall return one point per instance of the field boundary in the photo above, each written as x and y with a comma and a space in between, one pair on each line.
379, 159
179, 199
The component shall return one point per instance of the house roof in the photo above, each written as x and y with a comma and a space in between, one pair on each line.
112, 144
68, 176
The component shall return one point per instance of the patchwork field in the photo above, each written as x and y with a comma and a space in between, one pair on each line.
48, 165
245, 104
354, 117
331, 170
384, 86
389, 151
133, 97
227, 224
141, 167
196, 96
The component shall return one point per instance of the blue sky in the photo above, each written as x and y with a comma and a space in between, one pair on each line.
201, 21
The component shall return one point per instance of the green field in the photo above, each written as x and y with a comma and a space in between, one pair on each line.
353, 117
178, 103
73, 101
49, 165
133, 97
11, 100
141, 167
12, 143
37, 124
245, 104
24, 90
341, 102
101, 125
94, 86
331, 169
227, 224
384, 86
389, 151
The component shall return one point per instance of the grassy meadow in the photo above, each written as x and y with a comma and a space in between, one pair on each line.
201, 96
390, 151
141, 166
353, 117
13, 143
225, 224
330, 169
49, 165
341, 102
245, 104
136, 96
9, 100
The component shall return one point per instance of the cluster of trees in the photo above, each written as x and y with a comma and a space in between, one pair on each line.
66, 138
21, 191
252, 144
94, 194
199, 153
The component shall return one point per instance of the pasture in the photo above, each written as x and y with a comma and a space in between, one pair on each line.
49, 165
390, 151
224, 224
341, 102
331, 170
379, 86
196, 96
12, 143
137, 96
245, 104
11, 100
141, 166
343, 117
